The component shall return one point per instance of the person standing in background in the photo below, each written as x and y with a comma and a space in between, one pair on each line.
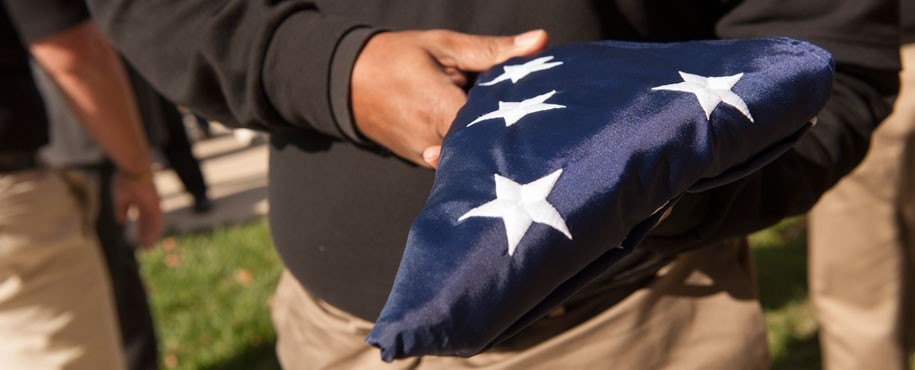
862, 242
56, 310
70, 147
166, 132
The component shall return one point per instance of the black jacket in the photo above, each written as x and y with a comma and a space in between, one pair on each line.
23, 123
907, 20
340, 209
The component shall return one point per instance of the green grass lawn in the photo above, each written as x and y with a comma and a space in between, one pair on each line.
210, 293
781, 258
211, 290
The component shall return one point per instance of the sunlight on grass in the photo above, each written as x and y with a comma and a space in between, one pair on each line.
210, 293
780, 253
793, 340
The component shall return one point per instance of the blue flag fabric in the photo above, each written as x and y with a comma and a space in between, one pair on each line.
560, 163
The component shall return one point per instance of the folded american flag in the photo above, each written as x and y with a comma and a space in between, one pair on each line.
560, 163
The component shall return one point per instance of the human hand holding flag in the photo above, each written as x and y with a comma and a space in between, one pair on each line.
559, 164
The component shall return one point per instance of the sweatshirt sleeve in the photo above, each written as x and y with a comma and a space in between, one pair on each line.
35, 19
262, 64
861, 36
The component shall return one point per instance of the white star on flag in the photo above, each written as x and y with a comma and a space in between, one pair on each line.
521, 205
710, 91
517, 72
512, 112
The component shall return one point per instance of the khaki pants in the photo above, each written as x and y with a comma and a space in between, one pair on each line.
862, 245
55, 306
700, 313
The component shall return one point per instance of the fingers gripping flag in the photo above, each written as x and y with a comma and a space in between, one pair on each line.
560, 163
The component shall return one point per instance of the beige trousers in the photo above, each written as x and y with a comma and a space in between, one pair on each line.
862, 246
700, 313
56, 310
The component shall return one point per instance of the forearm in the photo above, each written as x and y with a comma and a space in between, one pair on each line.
91, 77
254, 63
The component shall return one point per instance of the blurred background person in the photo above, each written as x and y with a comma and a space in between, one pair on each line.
72, 148
56, 309
165, 129
202, 125
862, 242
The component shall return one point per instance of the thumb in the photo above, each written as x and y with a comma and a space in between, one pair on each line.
431, 155
478, 53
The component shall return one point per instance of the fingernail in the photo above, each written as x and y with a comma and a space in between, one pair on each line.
528, 38
429, 156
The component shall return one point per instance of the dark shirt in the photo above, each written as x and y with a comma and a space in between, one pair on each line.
340, 210
23, 125
907, 20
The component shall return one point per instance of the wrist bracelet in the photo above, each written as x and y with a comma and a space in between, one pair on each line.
146, 176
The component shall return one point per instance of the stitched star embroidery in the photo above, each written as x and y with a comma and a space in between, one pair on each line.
521, 205
710, 91
517, 72
512, 112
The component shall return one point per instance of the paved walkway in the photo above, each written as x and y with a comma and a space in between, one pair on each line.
236, 173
